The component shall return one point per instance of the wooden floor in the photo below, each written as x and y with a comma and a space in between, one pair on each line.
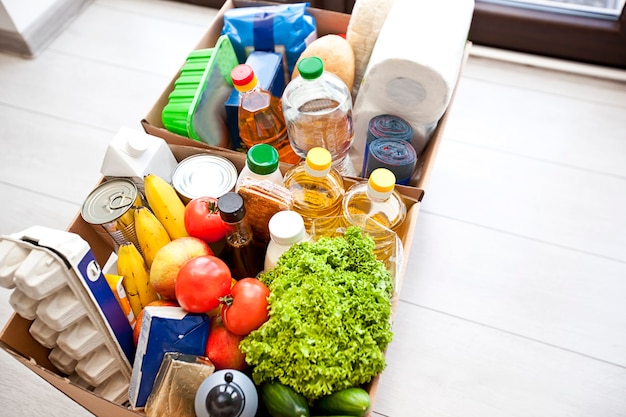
514, 303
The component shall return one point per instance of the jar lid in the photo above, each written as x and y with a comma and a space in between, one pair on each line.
262, 159
109, 201
231, 207
243, 77
382, 180
311, 67
203, 175
318, 159
286, 227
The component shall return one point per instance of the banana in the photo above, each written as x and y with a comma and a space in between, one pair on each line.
151, 234
125, 219
166, 205
132, 267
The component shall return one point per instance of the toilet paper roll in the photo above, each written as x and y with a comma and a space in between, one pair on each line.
413, 68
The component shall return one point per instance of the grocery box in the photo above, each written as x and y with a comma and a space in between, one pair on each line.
19, 343
328, 22
16, 338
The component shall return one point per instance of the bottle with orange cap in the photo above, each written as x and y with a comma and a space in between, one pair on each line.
261, 117
317, 190
378, 208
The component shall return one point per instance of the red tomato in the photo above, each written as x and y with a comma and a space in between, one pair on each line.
201, 282
202, 220
248, 309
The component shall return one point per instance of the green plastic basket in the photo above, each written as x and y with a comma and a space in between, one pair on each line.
195, 107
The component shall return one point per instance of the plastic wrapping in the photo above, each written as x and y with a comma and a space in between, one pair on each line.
263, 199
285, 28
176, 384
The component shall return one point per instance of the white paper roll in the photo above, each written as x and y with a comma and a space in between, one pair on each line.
413, 68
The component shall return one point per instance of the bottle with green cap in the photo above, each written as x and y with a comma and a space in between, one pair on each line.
317, 190
317, 107
261, 117
378, 208
262, 164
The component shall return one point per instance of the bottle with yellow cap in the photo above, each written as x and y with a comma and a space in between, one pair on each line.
261, 117
317, 190
377, 208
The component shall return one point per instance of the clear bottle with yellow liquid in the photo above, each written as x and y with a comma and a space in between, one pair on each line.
317, 190
378, 209
261, 117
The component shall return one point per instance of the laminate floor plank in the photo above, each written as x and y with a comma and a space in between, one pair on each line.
561, 83
97, 95
564, 206
150, 42
543, 292
21, 209
64, 164
163, 10
550, 127
442, 365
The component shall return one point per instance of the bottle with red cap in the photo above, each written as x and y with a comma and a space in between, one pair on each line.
261, 115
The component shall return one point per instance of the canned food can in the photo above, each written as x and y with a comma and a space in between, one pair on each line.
204, 176
109, 208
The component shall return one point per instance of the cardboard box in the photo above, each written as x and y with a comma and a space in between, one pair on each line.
17, 341
328, 22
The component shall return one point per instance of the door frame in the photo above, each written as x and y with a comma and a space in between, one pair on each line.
558, 35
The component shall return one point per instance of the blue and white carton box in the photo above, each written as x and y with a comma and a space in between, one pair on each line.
164, 329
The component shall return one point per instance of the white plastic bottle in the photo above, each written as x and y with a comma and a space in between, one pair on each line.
133, 154
261, 163
286, 229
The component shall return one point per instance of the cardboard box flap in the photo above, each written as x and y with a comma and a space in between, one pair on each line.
16, 337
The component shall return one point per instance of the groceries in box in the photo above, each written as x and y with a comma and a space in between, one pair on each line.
385, 70
183, 223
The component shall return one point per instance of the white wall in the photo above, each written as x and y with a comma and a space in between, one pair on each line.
6, 23
18, 15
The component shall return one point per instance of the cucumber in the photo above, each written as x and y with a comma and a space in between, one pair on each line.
282, 401
353, 401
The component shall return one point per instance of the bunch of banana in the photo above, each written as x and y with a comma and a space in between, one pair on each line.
151, 234
131, 265
166, 205
125, 219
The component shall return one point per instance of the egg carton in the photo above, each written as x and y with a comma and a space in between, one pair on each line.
58, 284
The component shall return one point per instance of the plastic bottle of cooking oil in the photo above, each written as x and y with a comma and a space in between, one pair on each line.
377, 208
262, 164
318, 111
317, 190
261, 117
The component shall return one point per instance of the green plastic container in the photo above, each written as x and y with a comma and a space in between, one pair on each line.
195, 107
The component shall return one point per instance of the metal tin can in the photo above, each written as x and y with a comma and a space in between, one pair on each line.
109, 209
204, 175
